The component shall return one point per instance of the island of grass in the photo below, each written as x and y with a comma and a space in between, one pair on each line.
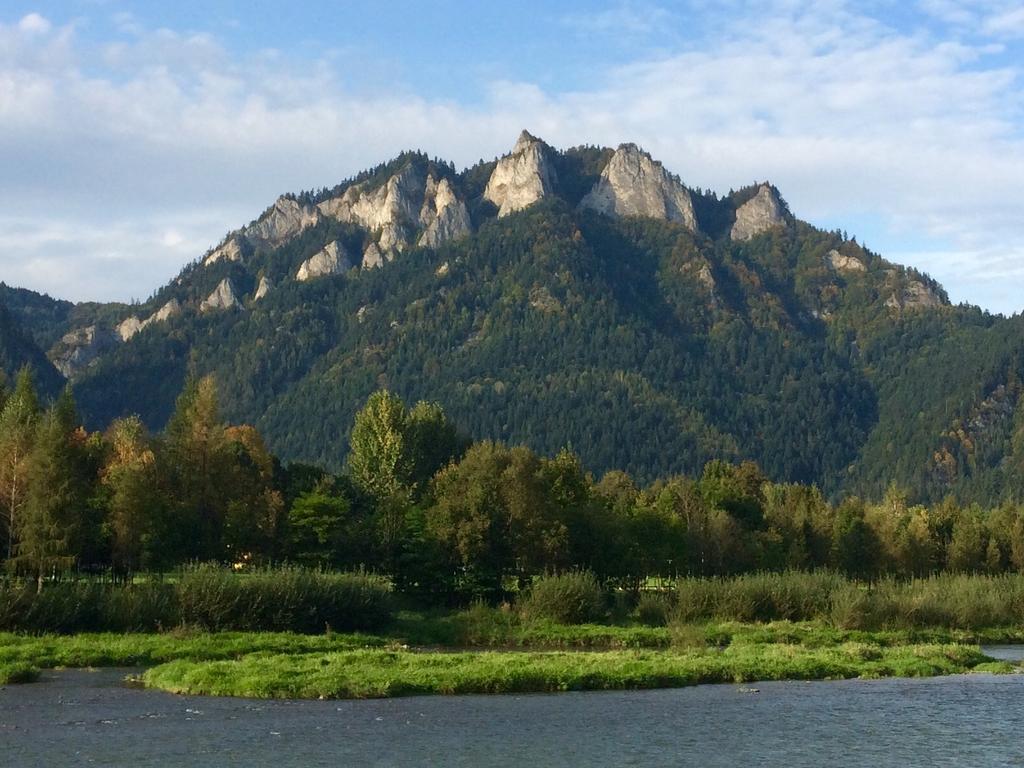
562, 636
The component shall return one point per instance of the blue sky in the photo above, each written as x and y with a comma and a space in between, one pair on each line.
134, 135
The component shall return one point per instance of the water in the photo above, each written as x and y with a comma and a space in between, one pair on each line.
1004, 652
89, 718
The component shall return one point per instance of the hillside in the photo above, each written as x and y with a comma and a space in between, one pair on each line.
584, 297
19, 349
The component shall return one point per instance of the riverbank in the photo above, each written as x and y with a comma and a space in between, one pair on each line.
453, 655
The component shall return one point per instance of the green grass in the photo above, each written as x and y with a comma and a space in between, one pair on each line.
534, 656
382, 673
16, 673
142, 650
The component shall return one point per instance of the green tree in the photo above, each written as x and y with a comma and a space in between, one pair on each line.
134, 502
17, 429
317, 527
966, 552
196, 460
379, 459
55, 495
854, 545
493, 514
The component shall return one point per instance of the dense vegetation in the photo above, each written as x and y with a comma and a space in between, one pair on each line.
443, 518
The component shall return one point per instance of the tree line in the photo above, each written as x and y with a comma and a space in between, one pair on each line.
444, 517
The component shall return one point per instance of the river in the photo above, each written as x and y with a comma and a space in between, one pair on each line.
78, 717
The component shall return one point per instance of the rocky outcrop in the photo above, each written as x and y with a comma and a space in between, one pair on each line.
634, 184
332, 260
265, 286
521, 178
132, 325
129, 327
223, 296
759, 214
837, 262
171, 309
442, 216
372, 257
285, 219
82, 348
914, 295
231, 250
407, 209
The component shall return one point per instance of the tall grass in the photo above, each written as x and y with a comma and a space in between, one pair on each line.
207, 597
286, 599
954, 601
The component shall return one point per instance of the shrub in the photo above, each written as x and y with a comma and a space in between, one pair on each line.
654, 608
567, 598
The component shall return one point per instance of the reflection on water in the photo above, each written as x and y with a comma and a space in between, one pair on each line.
90, 718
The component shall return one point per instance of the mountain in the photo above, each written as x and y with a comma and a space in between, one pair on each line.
18, 349
584, 297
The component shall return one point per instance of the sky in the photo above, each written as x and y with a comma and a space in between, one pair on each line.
134, 135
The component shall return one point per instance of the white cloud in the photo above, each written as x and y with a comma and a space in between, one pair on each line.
171, 140
34, 24
1009, 23
622, 19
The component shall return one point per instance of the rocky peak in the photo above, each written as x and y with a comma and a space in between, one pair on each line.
406, 204
332, 260
223, 296
634, 184
442, 216
521, 178
285, 219
759, 214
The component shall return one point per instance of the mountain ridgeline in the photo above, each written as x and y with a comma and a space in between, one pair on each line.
584, 297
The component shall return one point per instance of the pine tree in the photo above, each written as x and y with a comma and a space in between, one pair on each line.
197, 458
55, 495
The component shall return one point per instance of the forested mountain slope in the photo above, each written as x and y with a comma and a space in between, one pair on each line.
18, 349
584, 298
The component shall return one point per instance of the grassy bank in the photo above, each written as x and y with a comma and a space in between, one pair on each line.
356, 665
377, 673
13, 674
143, 650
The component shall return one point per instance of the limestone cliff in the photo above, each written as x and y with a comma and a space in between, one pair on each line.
265, 286
913, 295
81, 349
837, 262
231, 250
331, 260
132, 325
634, 184
285, 219
759, 214
407, 209
223, 296
521, 178
442, 216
